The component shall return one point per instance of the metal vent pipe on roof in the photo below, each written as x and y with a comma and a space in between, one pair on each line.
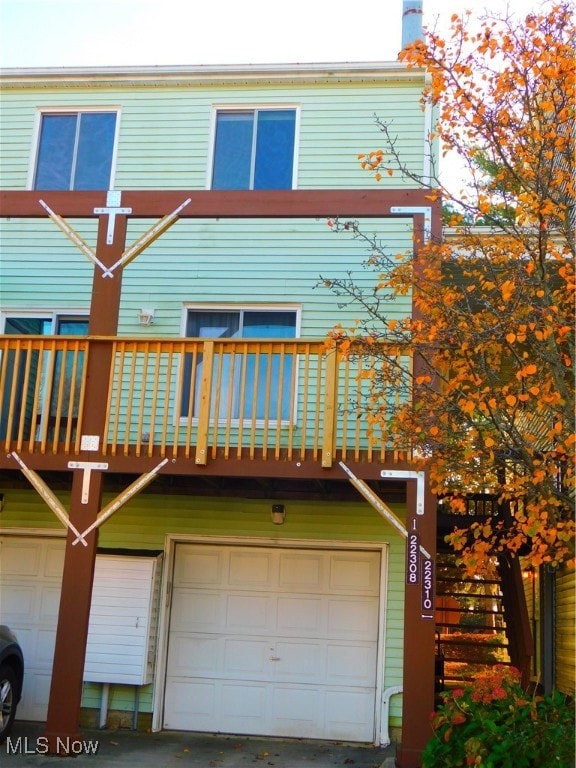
411, 21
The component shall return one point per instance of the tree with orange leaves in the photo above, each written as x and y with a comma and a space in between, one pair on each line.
489, 404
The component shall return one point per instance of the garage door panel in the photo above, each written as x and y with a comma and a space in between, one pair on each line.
21, 559
358, 572
352, 618
301, 615
197, 566
196, 704
192, 704
35, 693
194, 655
249, 569
27, 637
198, 611
246, 657
299, 660
243, 704
18, 602
249, 612
351, 664
348, 712
292, 653
54, 560
49, 603
302, 571
46, 643
298, 705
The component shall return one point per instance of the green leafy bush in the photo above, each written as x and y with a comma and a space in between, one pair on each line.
492, 723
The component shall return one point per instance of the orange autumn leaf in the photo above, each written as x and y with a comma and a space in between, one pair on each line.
507, 289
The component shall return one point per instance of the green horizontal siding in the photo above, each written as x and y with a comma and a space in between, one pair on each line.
221, 262
164, 130
144, 522
164, 142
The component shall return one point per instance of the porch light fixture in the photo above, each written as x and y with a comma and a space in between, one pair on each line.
146, 316
278, 514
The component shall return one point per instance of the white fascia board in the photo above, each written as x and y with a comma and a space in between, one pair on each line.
209, 74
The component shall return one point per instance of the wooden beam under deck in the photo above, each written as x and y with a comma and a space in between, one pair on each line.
308, 469
212, 204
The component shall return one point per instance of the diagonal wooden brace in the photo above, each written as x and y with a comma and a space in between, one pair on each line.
148, 237
121, 499
72, 235
45, 492
379, 505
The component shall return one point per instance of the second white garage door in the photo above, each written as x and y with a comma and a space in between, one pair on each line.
276, 642
30, 582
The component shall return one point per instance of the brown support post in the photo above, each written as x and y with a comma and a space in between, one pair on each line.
419, 626
63, 721
331, 386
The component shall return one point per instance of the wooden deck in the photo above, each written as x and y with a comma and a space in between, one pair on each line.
193, 401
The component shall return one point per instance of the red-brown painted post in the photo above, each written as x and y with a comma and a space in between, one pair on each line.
419, 625
63, 721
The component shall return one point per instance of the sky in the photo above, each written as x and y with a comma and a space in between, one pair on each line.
83, 33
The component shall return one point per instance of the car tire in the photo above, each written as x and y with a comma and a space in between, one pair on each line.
8, 699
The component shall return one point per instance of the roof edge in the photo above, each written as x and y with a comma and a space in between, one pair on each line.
202, 73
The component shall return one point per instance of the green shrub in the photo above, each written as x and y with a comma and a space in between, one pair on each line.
492, 723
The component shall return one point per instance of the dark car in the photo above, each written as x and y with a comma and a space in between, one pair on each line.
11, 677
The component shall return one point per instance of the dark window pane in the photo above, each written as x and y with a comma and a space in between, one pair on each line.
275, 149
207, 325
35, 326
269, 325
56, 152
71, 327
233, 150
64, 366
213, 325
95, 148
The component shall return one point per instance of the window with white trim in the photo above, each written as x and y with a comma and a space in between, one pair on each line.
252, 386
75, 150
254, 149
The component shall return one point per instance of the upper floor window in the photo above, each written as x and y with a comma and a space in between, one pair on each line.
254, 149
75, 151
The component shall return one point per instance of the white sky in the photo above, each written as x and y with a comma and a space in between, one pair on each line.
61, 33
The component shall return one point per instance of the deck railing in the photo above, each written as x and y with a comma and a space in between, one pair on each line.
193, 398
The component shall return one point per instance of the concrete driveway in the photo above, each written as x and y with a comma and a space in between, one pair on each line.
168, 749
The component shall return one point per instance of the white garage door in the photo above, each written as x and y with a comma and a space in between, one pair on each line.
30, 580
273, 642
